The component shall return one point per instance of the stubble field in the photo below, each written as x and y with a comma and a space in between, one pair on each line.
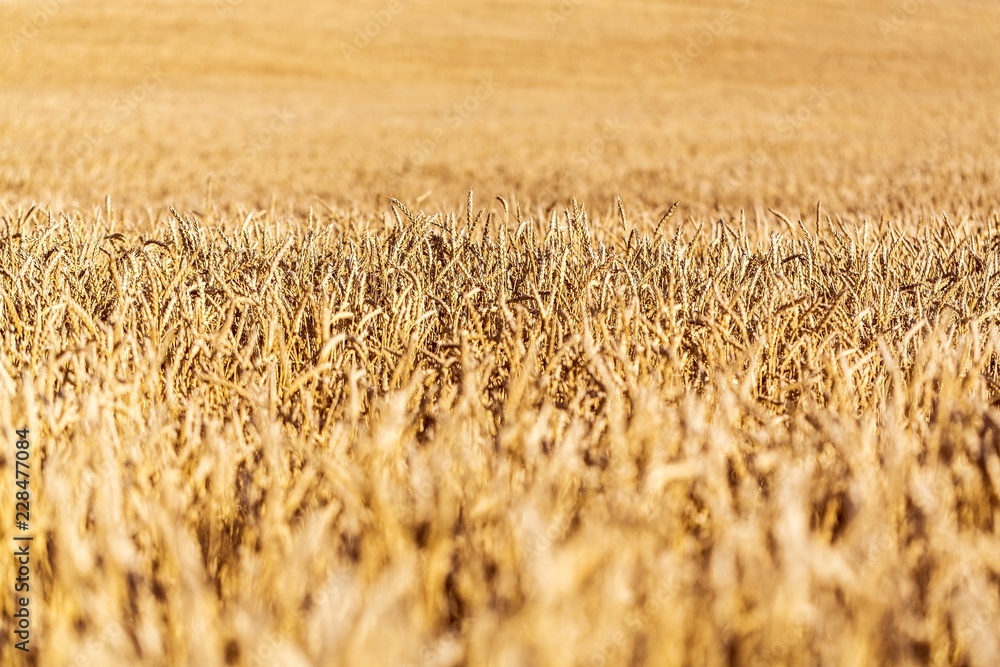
294, 396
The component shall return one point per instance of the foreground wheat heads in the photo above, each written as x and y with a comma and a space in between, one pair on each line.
488, 439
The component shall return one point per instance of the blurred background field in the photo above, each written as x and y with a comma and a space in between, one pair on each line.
871, 107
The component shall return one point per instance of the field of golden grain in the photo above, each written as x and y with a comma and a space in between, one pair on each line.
556, 333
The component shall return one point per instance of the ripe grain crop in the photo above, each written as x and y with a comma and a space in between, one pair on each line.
489, 437
292, 396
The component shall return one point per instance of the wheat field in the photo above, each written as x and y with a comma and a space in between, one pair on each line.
571, 333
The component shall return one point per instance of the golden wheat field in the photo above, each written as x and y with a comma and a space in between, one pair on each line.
499, 333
